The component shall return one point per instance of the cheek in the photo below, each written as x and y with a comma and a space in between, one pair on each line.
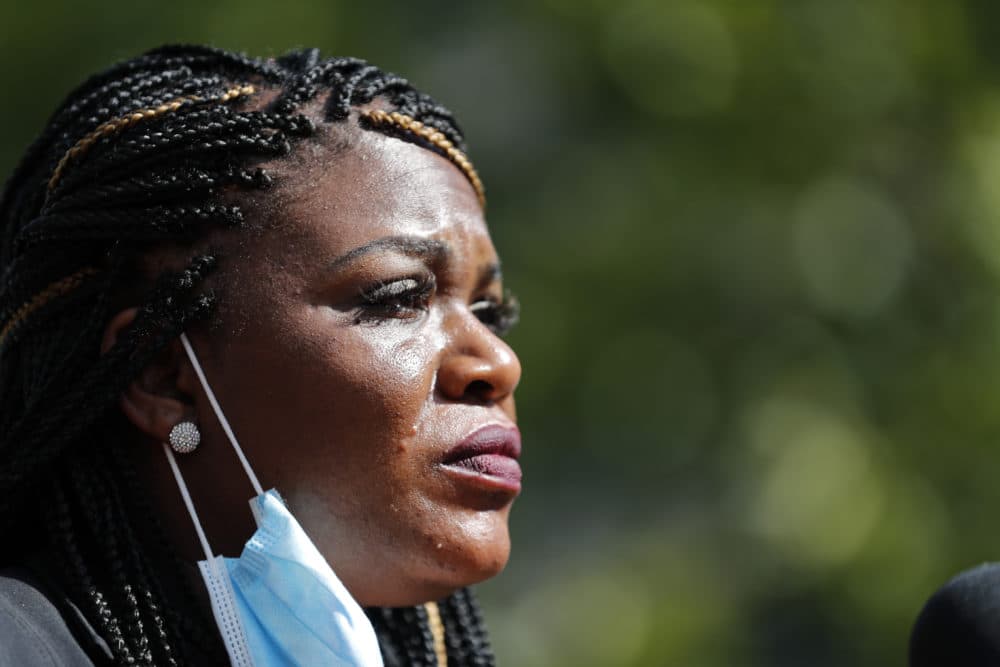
360, 459
398, 374
361, 390
387, 375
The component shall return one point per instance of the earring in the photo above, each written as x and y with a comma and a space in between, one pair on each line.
184, 437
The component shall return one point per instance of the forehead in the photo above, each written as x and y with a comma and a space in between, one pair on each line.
376, 186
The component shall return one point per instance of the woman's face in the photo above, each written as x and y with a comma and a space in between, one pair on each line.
354, 359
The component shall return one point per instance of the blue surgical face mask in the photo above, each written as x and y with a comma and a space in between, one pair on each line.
279, 603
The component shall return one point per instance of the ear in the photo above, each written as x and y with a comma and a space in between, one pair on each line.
162, 395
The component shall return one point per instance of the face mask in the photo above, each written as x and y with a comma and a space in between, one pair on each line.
279, 603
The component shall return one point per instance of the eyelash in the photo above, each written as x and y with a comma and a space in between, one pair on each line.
407, 297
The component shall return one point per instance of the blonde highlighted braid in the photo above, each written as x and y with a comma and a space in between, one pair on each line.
434, 137
56, 289
111, 127
104, 130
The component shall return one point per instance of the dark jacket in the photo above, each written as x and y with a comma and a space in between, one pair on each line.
39, 626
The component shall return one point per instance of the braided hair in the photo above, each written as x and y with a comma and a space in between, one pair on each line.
148, 153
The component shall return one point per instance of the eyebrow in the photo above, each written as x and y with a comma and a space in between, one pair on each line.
414, 246
489, 274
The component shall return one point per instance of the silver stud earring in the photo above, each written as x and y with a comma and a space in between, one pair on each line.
184, 437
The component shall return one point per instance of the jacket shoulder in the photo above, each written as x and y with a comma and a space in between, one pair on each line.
33, 632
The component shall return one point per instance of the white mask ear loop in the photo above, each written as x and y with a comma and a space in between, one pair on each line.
182, 487
187, 501
216, 579
218, 413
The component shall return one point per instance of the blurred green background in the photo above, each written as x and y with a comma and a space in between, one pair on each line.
758, 250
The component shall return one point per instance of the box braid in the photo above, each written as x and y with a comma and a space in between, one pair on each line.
148, 153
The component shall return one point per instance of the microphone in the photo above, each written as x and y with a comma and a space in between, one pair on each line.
960, 624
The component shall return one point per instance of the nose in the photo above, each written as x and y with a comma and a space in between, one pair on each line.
478, 365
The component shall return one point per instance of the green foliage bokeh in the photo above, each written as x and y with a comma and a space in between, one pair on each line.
757, 246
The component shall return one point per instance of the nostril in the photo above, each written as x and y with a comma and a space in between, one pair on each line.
481, 389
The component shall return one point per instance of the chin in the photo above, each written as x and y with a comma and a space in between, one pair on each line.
480, 564
469, 562
447, 568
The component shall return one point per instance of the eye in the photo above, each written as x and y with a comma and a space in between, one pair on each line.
400, 299
499, 315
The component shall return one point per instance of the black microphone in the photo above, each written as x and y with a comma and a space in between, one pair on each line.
960, 624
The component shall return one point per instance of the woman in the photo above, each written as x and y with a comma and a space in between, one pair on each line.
314, 230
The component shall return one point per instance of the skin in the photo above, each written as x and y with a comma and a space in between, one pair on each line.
346, 414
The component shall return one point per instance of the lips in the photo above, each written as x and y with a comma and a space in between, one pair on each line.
488, 457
